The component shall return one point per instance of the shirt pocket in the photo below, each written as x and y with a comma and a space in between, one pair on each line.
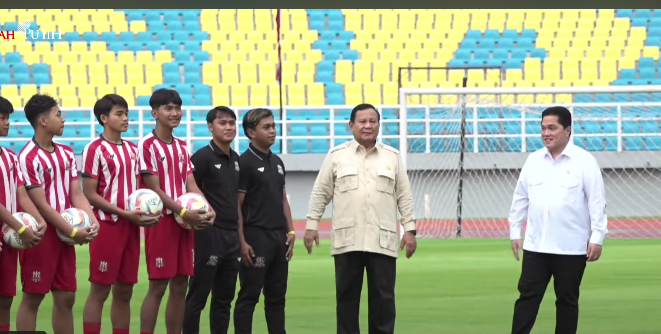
388, 234
347, 179
385, 180
344, 232
569, 188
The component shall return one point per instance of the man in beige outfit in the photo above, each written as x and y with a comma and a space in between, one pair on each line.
367, 184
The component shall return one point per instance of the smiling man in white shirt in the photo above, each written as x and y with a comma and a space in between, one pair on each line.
561, 192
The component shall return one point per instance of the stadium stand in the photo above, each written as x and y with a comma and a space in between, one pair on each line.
332, 57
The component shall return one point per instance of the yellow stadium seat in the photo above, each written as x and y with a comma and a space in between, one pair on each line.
98, 46
107, 57
86, 90
31, 58
163, 56
125, 57
48, 89
632, 52
9, 90
102, 26
120, 26
144, 57
88, 58
88, 101
78, 78
27, 90
651, 51
99, 16
42, 47
60, 47
229, 73
79, 47
138, 26
575, 53
97, 79
69, 101
239, 95
124, 90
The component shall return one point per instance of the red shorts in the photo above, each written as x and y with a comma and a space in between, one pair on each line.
169, 249
8, 270
49, 265
115, 253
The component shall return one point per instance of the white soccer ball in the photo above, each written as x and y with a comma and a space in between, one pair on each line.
77, 219
145, 200
190, 201
11, 237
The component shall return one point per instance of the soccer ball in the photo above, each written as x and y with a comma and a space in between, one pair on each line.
78, 219
11, 237
145, 200
190, 201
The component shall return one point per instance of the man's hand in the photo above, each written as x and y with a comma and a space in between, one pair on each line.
594, 252
410, 243
197, 219
291, 240
247, 254
84, 235
310, 237
95, 228
41, 228
517, 246
30, 238
139, 218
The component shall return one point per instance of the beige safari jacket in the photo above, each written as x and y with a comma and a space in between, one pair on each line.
366, 188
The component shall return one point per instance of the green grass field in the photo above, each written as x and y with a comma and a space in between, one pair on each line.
455, 286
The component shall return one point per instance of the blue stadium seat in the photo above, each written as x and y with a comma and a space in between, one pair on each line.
510, 33
487, 43
318, 129
170, 16
143, 100
320, 145
336, 25
21, 78
203, 100
299, 146
41, 78
71, 36
13, 57
170, 68
202, 89
171, 78
492, 34
191, 26
134, 16
298, 129
475, 34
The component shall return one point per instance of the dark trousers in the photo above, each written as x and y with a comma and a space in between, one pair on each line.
536, 272
269, 271
381, 272
216, 267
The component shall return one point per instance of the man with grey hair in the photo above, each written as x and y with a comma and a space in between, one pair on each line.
266, 231
367, 183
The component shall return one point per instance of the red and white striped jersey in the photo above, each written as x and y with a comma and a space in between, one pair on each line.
53, 171
170, 162
116, 169
11, 178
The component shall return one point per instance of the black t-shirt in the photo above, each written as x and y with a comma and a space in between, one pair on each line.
217, 175
262, 179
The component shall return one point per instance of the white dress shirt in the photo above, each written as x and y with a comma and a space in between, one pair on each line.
564, 200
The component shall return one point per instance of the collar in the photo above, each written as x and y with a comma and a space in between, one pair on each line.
568, 151
121, 141
218, 151
153, 132
259, 154
356, 146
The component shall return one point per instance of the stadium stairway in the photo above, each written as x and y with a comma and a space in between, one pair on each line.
334, 43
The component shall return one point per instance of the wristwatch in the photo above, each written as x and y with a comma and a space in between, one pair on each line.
412, 232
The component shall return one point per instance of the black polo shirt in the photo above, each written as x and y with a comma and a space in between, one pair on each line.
217, 175
263, 181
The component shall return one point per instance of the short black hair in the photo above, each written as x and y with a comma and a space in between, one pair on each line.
105, 104
363, 106
563, 114
38, 105
163, 97
253, 117
219, 110
6, 108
